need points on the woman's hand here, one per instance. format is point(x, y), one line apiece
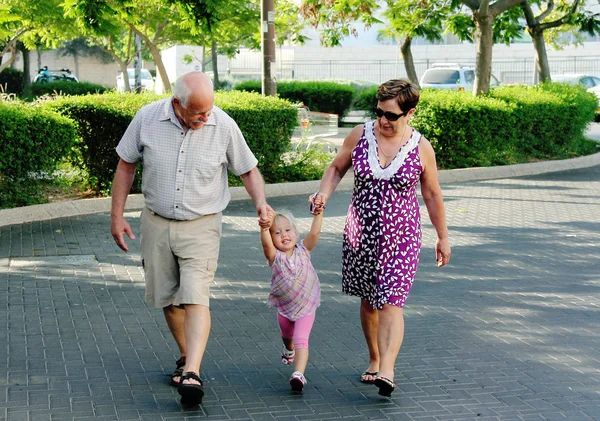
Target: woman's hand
point(442, 252)
point(316, 203)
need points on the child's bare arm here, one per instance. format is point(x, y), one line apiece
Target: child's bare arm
point(315, 230)
point(266, 240)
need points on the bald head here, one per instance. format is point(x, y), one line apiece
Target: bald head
point(193, 84)
point(193, 99)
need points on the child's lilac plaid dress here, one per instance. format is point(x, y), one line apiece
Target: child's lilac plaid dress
point(295, 288)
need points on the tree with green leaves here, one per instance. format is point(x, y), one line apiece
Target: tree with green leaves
point(157, 22)
point(409, 19)
point(29, 21)
point(561, 16)
point(485, 13)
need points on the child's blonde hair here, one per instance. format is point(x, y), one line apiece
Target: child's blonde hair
point(284, 213)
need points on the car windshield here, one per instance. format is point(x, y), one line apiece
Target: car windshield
point(145, 74)
point(441, 76)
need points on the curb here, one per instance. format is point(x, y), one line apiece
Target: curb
point(136, 201)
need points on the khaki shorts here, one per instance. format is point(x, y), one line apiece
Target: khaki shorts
point(179, 258)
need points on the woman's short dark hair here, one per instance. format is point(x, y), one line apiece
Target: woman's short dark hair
point(405, 91)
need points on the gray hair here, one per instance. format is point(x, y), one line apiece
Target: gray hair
point(182, 89)
point(284, 213)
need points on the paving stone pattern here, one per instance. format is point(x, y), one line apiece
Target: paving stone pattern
point(509, 331)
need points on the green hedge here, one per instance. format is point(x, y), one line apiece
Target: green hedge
point(466, 131)
point(34, 142)
point(66, 88)
point(267, 124)
point(327, 97)
point(11, 81)
point(509, 125)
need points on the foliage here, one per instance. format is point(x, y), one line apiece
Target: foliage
point(267, 124)
point(366, 99)
point(327, 97)
point(512, 123)
point(446, 118)
point(336, 18)
point(11, 81)
point(34, 142)
point(66, 88)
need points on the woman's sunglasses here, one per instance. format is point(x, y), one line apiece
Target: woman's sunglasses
point(389, 116)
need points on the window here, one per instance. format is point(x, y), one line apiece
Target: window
point(441, 76)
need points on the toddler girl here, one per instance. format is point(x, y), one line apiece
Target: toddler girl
point(295, 289)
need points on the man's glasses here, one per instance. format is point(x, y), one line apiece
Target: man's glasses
point(389, 116)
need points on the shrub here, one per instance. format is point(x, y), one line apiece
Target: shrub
point(102, 120)
point(34, 142)
point(366, 99)
point(551, 116)
point(11, 81)
point(327, 97)
point(66, 88)
point(464, 130)
point(267, 124)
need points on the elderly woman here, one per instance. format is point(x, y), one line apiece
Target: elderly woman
point(382, 236)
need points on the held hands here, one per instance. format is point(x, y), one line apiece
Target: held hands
point(118, 227)
point(265, 217)
point(442, 252)
point(316, 203)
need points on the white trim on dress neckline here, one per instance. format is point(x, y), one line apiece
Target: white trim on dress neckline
point(389, 171)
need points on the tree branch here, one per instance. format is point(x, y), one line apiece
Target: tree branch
point(545, 13)
point(562, 20)
point(471, 4)
point(502, 5)
point(529, 16)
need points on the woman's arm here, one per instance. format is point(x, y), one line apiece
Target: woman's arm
point(339, 166)
point(432, 195)
point(315, 230)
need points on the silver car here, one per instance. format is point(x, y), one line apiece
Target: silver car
point(451, 76)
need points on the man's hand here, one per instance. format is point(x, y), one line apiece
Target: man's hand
point(265, 215)
point(118, 227)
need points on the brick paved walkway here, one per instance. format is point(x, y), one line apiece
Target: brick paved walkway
point(509, 331)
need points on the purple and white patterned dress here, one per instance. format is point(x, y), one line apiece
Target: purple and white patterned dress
point(382, 236)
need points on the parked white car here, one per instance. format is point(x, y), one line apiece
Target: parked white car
point(451, 76)
point(147, 80)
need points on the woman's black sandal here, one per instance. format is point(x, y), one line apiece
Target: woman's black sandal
point(386, 386)
point(191, 393)
point(363, 376)
point(178, 372)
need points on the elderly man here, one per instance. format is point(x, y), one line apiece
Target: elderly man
point(187, 145)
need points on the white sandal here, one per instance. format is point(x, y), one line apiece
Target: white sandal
point(297, 381)
point(287, 356)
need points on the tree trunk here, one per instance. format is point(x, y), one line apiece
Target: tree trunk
point(26, 66)
point(484, 26)
point(409, 63)
point(123, 67)
point(541, 57)
point(76, 60)
point(39, 58)
point(160, 66)
point(215, 64)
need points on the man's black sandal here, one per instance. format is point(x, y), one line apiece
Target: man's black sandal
point(191, 393)
point(178, 372)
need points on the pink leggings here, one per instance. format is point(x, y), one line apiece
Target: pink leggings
point(299, 330)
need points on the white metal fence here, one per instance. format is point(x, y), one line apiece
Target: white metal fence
point(519, 70)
